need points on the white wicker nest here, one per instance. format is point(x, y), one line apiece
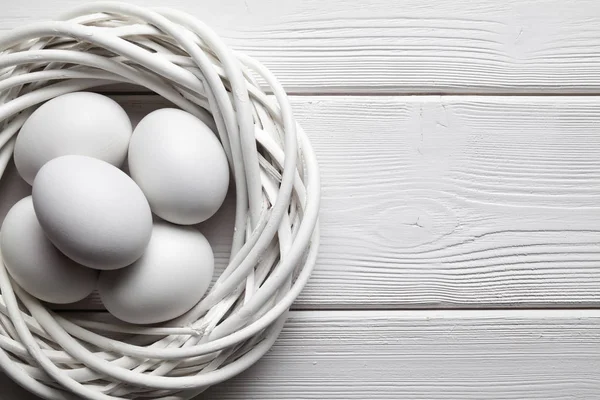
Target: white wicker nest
point(275, 240)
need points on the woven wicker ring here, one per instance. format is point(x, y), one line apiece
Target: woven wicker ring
point(275, 240)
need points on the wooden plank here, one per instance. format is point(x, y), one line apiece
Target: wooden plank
point(448, 202)
point(461, 355)
point(456, 201)
point(411, 46)
point(428, 355)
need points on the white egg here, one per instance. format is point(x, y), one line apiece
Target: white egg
point(169, 279)
point(36, 265)
point(180, 165)
point(79, 123)
point(92, 211)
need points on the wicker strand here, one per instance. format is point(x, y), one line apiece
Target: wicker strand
point(275, 239)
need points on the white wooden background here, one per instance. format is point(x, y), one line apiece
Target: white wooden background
point(459, 142)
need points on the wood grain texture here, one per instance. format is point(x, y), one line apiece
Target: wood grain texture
point(445, 202)
point(411, 46)
point(428, 355)
point(456, 201)
point(459, 355)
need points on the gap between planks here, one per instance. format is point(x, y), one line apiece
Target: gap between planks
point(400, 96)
point(127, 92)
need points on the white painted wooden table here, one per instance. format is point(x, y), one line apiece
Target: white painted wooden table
point(460, 149)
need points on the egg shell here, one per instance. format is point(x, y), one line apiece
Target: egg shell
point(92, 211)
point(80, 123)
point(180, 165)
point(36, 265)
point(167, 281)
